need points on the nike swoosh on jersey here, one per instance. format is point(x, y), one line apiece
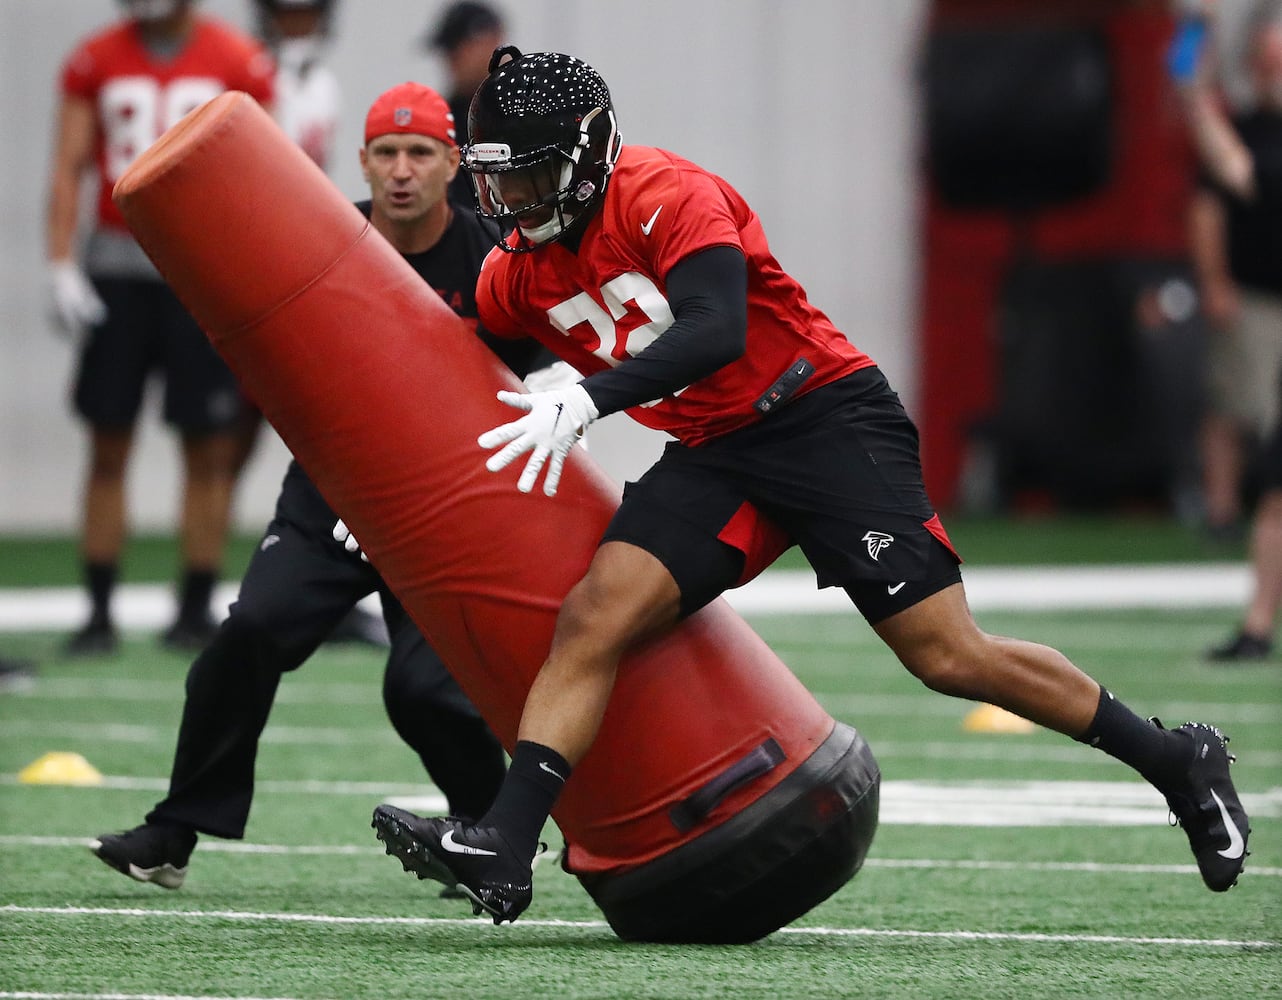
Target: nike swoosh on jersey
point(1237, 843)
point(892, 591)
point(454, 847)
point(647, 226)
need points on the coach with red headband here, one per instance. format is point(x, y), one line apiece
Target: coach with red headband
point(301, 582)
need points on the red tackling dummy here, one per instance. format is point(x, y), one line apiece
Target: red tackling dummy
point(380, 391)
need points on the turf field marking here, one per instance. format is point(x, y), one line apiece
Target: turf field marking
point(212, 846)
point(854, 704)
point(595, 925)
point(905, 803)
point(1176, 585)
point(7, 995)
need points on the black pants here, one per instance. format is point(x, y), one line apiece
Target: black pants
point(299, 585)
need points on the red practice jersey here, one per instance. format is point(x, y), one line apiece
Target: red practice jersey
point(138, 95)
point(607, 302)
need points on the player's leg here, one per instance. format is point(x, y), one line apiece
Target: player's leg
point(661, 558)
point(203, 403)
point(108, 394)
point(886, 547)
point(203, 525)
point(939, 642)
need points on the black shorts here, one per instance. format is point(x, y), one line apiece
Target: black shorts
point(147, 330)
point(837, 470)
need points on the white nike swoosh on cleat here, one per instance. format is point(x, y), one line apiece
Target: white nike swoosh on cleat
point(892, 591)
point(1237, 843)
point(454, 847)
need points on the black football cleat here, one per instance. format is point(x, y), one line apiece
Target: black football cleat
point(96, 638)
point(153, 852)
point(1207, 806)
point(189, 635)
point(478, 860)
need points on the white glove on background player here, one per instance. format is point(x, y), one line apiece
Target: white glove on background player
point(75, 304)
point(341, 534)
point(554, 421)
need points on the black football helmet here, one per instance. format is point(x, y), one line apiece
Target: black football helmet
point(542, 143)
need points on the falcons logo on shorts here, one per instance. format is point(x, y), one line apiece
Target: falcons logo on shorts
point(877, 540)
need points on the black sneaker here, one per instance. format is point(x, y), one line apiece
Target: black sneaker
point(1243, 646)
point(96, 638)
point(188, 635)
point(1206, 804)
point(479, 861)
point(153, 852)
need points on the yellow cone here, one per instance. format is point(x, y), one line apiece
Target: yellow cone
point(60, 767)
point(991, 719)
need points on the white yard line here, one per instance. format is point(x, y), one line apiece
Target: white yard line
point(989, 588)
point(903, 803)
point(485, 924)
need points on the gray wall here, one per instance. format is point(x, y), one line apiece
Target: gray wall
point(806, 106)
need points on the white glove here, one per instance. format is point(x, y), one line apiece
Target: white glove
point(554, 421)
point(74, 302)
point(341, 534)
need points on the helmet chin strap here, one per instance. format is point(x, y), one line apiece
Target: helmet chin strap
point(544, 232)
point(560, 220)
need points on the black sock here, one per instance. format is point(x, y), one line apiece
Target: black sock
point(196, 593)
point(1155, 753)
point(100, 578)
point(529, 792)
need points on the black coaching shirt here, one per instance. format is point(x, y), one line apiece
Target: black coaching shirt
point(450, 268)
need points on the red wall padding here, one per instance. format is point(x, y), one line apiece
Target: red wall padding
point(1140, 213)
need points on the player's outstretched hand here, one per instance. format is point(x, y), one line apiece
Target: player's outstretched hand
point(72, 298)
point(553, 422)
point(341, 534)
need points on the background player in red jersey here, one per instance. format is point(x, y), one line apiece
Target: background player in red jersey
point(121, 89)
point(653, 277)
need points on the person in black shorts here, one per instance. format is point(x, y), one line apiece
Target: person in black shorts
point(120, 89)
point(653, 277)
point(301, 582)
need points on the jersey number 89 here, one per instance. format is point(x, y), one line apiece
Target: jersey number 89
point(136, 110)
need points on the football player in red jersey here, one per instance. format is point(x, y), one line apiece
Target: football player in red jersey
point(653, 278)
point(121, 88)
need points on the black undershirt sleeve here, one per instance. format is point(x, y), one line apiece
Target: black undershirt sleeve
point(708, 294)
